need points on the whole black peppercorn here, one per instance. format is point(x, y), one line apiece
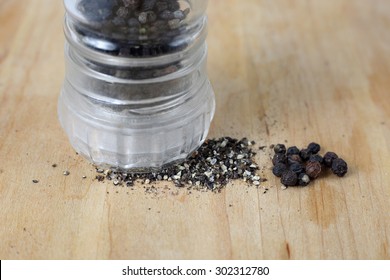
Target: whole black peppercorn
point(280, 149)
point(156, 23)
point(289, 178)
point(279, 169)
point(147, 4)
point(292, 151)
point(318, 158)
point(297, 168)
point(339, 167)
point(279, 158)
point(305, 154)
point(303, 179)
point(314, 148)
point(329, 157)
point(313, 169)
point(294, 159)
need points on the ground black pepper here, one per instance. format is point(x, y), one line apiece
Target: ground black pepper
point(100, 178)
point(211, 167)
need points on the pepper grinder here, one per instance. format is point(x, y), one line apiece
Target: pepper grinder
point(136, 93)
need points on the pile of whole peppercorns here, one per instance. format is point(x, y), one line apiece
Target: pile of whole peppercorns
point(298, 167)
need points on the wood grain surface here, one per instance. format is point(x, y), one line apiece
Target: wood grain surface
point(282, 70)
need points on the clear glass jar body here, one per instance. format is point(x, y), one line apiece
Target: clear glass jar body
point(136, 93)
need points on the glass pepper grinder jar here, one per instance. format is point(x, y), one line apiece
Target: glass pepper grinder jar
point(136, 93)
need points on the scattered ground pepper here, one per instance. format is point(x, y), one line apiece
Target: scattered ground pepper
point(211, 167)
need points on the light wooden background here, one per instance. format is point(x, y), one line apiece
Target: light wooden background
point(290, 70)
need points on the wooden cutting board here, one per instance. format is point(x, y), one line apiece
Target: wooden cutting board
point(295, 71)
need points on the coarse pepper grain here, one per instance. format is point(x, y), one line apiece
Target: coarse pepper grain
point(212, 167)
